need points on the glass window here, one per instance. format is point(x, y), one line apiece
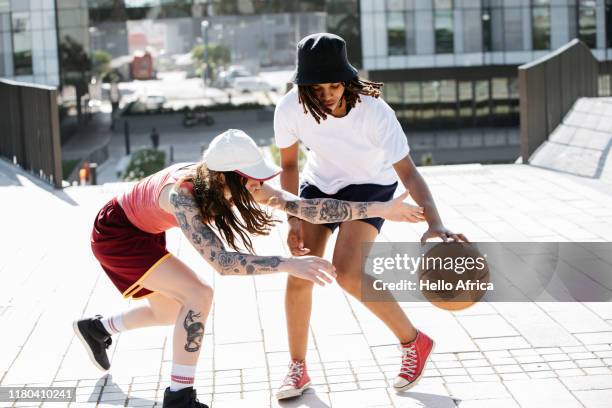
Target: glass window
point(448, 91)
point(466, 100)
point(22, 44)
point(412, 100)
point(429, 91)
point(472, 32)
point(487, 34)
point(395, 5)
point(513, 25)
point(393, 92)
point(482, 101)
point(496, 29)
point(465, 91)
point(443, 4)
point(412, 92)
point(410, 32)
point(447, 108)
point(443, 25)
point(540, 18)
point(587, 23)
point(396, 33)
point(499, 93)
point(500, 88)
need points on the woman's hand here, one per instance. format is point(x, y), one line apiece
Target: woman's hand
point(295, 239)
point(398, 210)
point(312, 268)
point(439, 231)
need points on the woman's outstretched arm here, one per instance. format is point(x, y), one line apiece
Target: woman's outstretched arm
point(326, 210)
point(211, 248)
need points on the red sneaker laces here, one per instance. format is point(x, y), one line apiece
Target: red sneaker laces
point(409, 360)
point(295, 373)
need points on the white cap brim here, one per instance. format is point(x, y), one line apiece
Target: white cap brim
point(261, 171)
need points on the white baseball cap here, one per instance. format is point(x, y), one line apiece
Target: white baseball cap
point(234, 150)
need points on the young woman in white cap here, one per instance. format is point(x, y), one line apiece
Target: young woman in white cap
point(128, 239)
point(357, 151)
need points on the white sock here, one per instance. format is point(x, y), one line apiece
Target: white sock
point(113, 324)
point(182, 376)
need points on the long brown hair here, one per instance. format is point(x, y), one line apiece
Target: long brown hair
point(208, 190)
point(352, 90)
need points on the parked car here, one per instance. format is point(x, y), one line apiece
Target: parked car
point(226, 78)
point(154, 102)
point(251, 84)
point(144, 104)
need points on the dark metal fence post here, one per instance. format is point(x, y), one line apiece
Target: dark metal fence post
point(126, 133)
point(93, 171)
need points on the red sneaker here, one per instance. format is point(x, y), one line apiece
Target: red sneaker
point(296, 381)
point(414, 357)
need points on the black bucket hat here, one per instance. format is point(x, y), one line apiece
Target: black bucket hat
point(321, 59)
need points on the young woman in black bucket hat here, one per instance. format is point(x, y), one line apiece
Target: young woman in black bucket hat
point(357, 151)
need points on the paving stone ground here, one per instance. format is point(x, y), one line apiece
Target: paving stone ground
point(491, 355)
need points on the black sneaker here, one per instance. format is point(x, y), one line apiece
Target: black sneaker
point(185, 398)
point(95, 338)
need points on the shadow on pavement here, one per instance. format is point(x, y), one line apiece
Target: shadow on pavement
point(112, 394)
point(426, 400)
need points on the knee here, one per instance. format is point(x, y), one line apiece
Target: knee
point(298, 285)
point(350, 283)
point(200, 295)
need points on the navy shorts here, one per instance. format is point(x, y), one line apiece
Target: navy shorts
point(353, 192)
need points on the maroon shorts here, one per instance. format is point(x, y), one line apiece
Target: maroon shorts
point(126, 253)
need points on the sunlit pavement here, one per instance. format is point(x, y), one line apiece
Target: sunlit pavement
point(490, 355)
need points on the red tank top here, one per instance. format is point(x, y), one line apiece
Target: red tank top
point(141, 203)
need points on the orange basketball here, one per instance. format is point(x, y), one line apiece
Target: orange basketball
point(454, 275)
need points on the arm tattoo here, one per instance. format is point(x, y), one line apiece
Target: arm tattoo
point(272, 261)
point(362, 209)
point(334, 210)
point(291, 207)
point(196, 238)
point(181, 199)
point(210, 246)
point(206, 232)
point(182, 219)
point(325, 210)
point(195, 331)
point(309, 212)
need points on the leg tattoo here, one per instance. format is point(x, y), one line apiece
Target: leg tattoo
point(195, 332)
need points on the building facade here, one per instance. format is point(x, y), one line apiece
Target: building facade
point(452, 64)
point(28, 41)
point(449, 66)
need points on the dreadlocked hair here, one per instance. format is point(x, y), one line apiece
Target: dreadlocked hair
point(352, 90)
point(250, 218)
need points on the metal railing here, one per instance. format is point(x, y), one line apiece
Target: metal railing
point(548, 88)
point(29, 129)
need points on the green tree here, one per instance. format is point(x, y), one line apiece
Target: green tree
point(101, 62)
point(76, 69)
point(217, 55)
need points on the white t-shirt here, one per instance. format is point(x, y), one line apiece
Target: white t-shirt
point(359, 148)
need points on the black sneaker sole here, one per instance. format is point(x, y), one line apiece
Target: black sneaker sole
point(77, 331)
